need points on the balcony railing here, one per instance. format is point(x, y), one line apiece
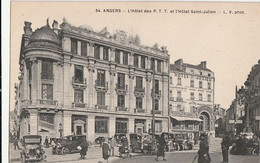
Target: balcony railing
point(79, 105)
point(171, 98)
point(79, 82)
point(139, 91)
point(179, 99)
point(101, 107)
point(47, 76)
point(178, 127)
point(139, 110)
point(156, 94)
point(102, 86)
point(124, 109)
point(47, 102)
point(121, 89)
point(46, 124)
point(156, 112)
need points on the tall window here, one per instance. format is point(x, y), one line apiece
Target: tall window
point(105, 53)
point(121, 81)
point(74, 46)
point(121, 101)
point(159, 66)
point(192, 83)
point(101, 98)
point(121, 125)
point(30, 92)
point(47, 92)
point(143, 62)
point(101, 125)
point(192, 95)
point(156, 86)
point(136, 60)
point(152, 64)
point(101, 78)
point(156, 101)
point(200, 96)
point(139, 82)
point(97, 51)
point(30, 72)
point(78, 74)
point(178, 94)
point(78, 96)
point(209, 85)
point(158, 126)
point(209, 98)
point(125, 58)
point(84, 48)
point(179, 81)
point(200, 84)
point(117, 56)
point(139, 102)
point(47, 69)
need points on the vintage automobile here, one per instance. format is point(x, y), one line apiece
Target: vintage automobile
point(32, 149)
point(68, 144)
point(135, 142)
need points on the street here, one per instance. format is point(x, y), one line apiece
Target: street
point(95, 155)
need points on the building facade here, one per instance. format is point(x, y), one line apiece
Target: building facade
point(191, 95)
point(220, 125)
point(77, 81)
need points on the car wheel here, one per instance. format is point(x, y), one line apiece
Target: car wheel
point(65, 150)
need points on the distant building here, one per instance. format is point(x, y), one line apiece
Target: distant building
point(77, 81)
point(220, 114)
point(191, 95)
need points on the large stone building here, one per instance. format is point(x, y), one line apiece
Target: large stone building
point(77, 81)
point(191, 95)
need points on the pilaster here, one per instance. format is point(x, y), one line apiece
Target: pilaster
point(91, 127)
point(67, 124)
point(112, 126)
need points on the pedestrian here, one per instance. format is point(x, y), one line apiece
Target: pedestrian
point(225, 144)
point(84, 149)
point(105, 150)
point(16, 145)
point(47, 142)
point(112, 146)
point(203, 152)
point(161, 148)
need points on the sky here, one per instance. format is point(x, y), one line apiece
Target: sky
point(228, 42)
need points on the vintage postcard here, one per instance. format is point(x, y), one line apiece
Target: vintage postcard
point(134, 82)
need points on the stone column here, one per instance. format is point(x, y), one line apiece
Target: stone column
point(112, 83)
point(112, 126)
point(131, 59)
point(148, 90)
point(67, 79)
point(91, 49)
point(91, 87)
point(67, 124)
point(101, 52)
point(112, 54)
point(33, 122)
point(91, 127)
point(25, 82)
point(131, 91)
point(131, 124)
point(139, 61)
point(148, 63)
point(121, 57)
point(79, 47)
point(86, 97)
point(35, 77)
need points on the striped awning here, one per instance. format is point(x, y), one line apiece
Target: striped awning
point(186, 118)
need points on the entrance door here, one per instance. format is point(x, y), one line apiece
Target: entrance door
point(79, 130)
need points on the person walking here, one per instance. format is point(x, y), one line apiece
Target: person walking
point(16, 145)
point(84, 149)
point(47, 142)
point(112, 146)
point(225, 144)
point(203, 152)
point(161, 148)
point(105, 150)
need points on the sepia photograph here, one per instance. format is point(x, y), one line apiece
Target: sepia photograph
point(136, 82)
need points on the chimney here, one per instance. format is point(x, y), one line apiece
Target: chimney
point(179, 63)
point(55, 26)
point(203, 64)
point(27, 28)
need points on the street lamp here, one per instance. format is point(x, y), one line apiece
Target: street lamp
point(60, 130)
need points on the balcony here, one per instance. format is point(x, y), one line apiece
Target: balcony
point(79, 82)
point(156, 112)
point(178, 127)
point(156, 94)
point(139, 110)
point(121, 89)
point(139, 91)
point(79, 105)
point(47, 76)
point(171, 98)
point(101, 107)
point(25, 103)
point(123, 109)
point(179, 99)
point(101, 86)
point(47, 102)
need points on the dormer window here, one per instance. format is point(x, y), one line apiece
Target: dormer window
point(74, 46)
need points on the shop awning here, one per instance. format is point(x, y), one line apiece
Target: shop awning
point(186, 118)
